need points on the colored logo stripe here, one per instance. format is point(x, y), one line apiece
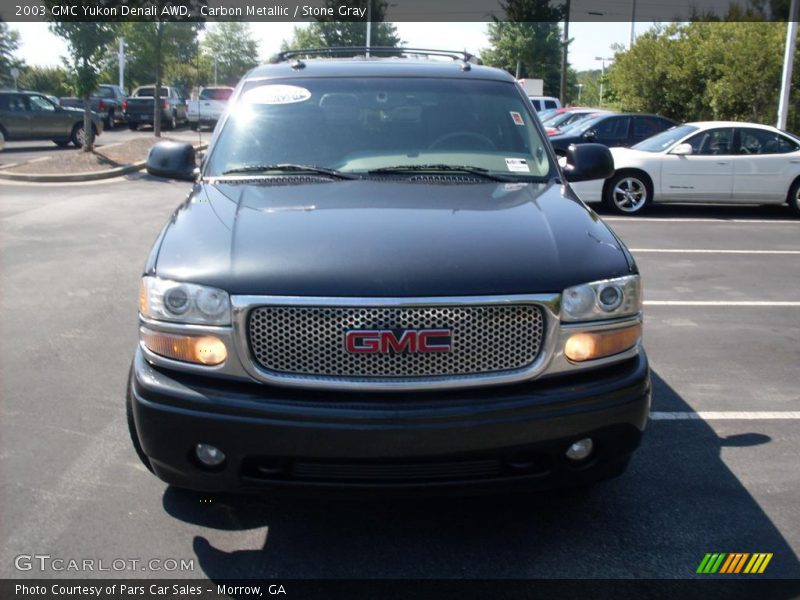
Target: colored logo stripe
point(758, 563)
point(734, 562)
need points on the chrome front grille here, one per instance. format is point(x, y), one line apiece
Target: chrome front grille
point(309, 341)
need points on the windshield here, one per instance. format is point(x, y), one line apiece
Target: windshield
point(149, 92)
point(665, 139)
point(357, 125)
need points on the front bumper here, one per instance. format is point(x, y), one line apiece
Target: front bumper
point(490, 438)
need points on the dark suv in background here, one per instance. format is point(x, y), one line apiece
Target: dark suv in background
point(611, 130)
point(381, 279)
point(27, 116)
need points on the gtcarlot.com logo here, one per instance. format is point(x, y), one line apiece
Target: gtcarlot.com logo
point(734, 562)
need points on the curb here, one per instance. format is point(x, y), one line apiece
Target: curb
point(77, 177)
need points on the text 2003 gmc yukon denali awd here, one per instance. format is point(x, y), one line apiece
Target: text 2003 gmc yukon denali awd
point(381, 280)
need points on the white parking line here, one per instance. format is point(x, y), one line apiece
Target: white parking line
point(709, 251)
point(702, 220)
point(719, 415)
point(718, 303)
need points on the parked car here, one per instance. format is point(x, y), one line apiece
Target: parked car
point(541, 103)
point(713, 161)
point(611, 130)
point(209, 106)
point(139, 108)
point(26, 116)
point(564, 117)
point(106, 101)
point(381, 279)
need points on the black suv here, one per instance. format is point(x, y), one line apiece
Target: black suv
point(611, 130)
point(382, 280)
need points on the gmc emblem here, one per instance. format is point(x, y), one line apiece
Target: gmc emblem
point(384, 341)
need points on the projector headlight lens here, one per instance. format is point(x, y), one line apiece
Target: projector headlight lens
point(165, 300)
point(606, 299)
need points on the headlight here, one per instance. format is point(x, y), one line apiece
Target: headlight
point(607, 299)
point(166, 300)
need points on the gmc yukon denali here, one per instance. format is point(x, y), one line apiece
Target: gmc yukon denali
point(381, 280)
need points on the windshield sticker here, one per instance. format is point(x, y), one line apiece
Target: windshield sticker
point(276, 94)
point(518, 165)
point(518, 120)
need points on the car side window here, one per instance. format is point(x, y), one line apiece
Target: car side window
point(645, 127)
point(549, 104)
point(614, 128)
point(761, 141)
point(39, 104)
point(712, 142)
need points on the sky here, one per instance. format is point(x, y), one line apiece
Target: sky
point(590, 40)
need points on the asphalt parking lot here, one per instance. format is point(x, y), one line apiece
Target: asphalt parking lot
point(717, 471)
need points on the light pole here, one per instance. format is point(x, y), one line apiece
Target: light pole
point(788, 64)
point(633, 23)
point(564, 44)
point(369, 24)
point(121, 61)
point(580, 89)
point(602, 60)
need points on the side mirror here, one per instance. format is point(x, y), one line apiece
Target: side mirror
point(174, 160)
point(588, 161)
point(682, 150)
point(590, 134)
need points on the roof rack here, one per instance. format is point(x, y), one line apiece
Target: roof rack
point(461, 55)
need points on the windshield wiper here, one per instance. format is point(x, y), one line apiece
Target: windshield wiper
point(479, 171)
point(290, 167)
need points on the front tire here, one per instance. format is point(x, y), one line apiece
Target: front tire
point(133, 127)
point(628, 193)
point(78, 137)
point(194, 126)
point(172, 123)
point(794, 198)
point(108, 122)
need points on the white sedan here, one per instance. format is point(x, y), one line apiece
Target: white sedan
point(713, 161)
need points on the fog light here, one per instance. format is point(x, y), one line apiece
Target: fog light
point(581, 449)
point(205, 350)
point(589, 346)
point(209, 455)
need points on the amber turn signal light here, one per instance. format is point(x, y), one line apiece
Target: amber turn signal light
point(589, 346)
point(204, 350)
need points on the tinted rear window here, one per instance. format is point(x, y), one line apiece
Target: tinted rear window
point(215, 94)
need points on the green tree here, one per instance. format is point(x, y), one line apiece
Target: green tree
point(86, 43)
point(230, 46)
point(705, 70)
point(47, 80)
point(530, 37)
point(9, 44)
point(153, 48)
point(332, 33)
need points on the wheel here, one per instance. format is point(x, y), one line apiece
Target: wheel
point(61, 143)
point(628, 193)
point(194, 126)
point(132, 426)
point(171, 123)
point(133, 126)
point(108, 122)
point(794, 197)
point(2, 139)
point(78, 136)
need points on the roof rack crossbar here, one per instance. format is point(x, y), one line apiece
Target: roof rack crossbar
point(461, 55)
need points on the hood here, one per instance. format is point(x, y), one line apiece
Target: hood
point(378, 238)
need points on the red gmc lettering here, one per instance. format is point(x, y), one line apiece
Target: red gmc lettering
point(369, 341)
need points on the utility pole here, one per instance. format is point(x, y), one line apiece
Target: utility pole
point(633, 23)
point(602, 75)
point(564, 44)
point(788, 64)
point(369, 25)
point(121, 61)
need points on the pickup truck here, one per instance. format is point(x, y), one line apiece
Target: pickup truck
point(381, 279)
point(209, 106)
point(106, 101)
point(140, 110)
